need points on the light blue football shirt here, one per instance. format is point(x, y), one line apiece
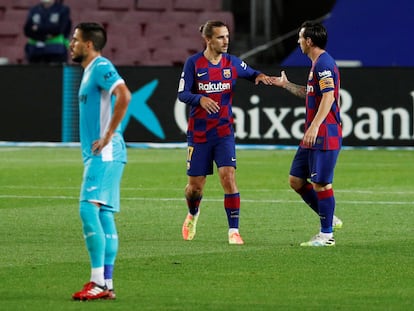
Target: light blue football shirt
point(96, 107)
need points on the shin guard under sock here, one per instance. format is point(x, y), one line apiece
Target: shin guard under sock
point(232, 207)
point(326, 209)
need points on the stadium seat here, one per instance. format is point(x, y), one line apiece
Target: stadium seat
point(4, 4)
point(192, 30)
point(9, 29)
point(115, 43)
point(197, 5)
point(123, 36)
point(169, 57)
point(162, 30)
point(156, 43)
point(135, 57)
point(157, 5)
point(179, 17)
point(139, 17)
point(126, 30)
point(99, 16)
point(122, 5)
point(190, 45)
point(16, 16)
point(83, 5)
point(224, 16)
point(148, 27)
point(23, 4)
point(14, 53)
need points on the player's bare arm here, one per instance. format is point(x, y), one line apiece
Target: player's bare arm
point(123, 96)
point(295, 89)
point(265, 79)
point(209, 105)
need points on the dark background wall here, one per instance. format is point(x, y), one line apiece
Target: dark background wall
point(31, 103)
point(375, 33)
point(377, 106)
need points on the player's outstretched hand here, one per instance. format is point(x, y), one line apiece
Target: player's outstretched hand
point(265, 79)
point(280, 81)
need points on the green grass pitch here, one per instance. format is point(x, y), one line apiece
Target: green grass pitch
point(43, 259)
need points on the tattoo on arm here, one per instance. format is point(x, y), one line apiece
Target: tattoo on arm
point(298, 90)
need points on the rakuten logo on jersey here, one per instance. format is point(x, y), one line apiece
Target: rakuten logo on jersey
point(212, 87)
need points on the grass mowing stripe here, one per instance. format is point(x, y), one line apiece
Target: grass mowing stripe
point(43, 257)
point(261, 201)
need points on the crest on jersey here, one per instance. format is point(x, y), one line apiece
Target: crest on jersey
point(227, 73)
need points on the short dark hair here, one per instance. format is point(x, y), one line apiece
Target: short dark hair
point(207, 28)
point(93, 32)
point(316, 32)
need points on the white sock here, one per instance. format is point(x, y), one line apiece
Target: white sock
point(109, 283)
point(326, 235)
point(97, 276)
point(233, 230)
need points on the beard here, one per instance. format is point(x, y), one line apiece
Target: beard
point(77, 58)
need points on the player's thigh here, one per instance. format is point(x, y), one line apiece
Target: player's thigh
point(101, 183)
point(225, 152)
point(199, 160)
point(323, 165)
point(300, 164)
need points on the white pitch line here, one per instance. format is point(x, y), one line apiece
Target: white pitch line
point(368, 191)
point(256, 201)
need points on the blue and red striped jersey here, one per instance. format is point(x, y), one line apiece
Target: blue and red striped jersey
point(202, 78)
point(324, 77)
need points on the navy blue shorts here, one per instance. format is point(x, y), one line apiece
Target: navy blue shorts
point(317, 165)
point(200, 157)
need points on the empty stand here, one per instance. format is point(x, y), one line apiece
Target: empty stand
point(129, 32)
point(224, 16)
point(82, 5)
point(118, 5)
point(23, 4)
point(157, 5)
point(4, 4)
point(190, 45)
point(157, 30)
point(9, 29)
point(168, 57)
point(14, 53)
point(135, 56)
point(140, 32)
point(197, 5)
point(16, 16)
point(178, 17)
point(140, 17)
point(122, 36)
point(99, 16)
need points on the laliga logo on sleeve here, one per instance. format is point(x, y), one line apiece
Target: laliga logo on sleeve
point(139, 110)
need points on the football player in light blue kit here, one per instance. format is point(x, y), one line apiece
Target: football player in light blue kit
point(104, 155)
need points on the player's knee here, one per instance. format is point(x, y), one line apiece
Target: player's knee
point(322, 186)
point(229, 184)
point(88, 213)
point(193, 191)
point(295, 183)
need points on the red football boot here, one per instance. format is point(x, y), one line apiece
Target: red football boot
point(91, 291)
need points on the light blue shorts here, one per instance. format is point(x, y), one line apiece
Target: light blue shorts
point(101, 183)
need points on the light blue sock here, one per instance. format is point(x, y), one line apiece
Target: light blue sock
point(93, 233)
point(111, 241)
